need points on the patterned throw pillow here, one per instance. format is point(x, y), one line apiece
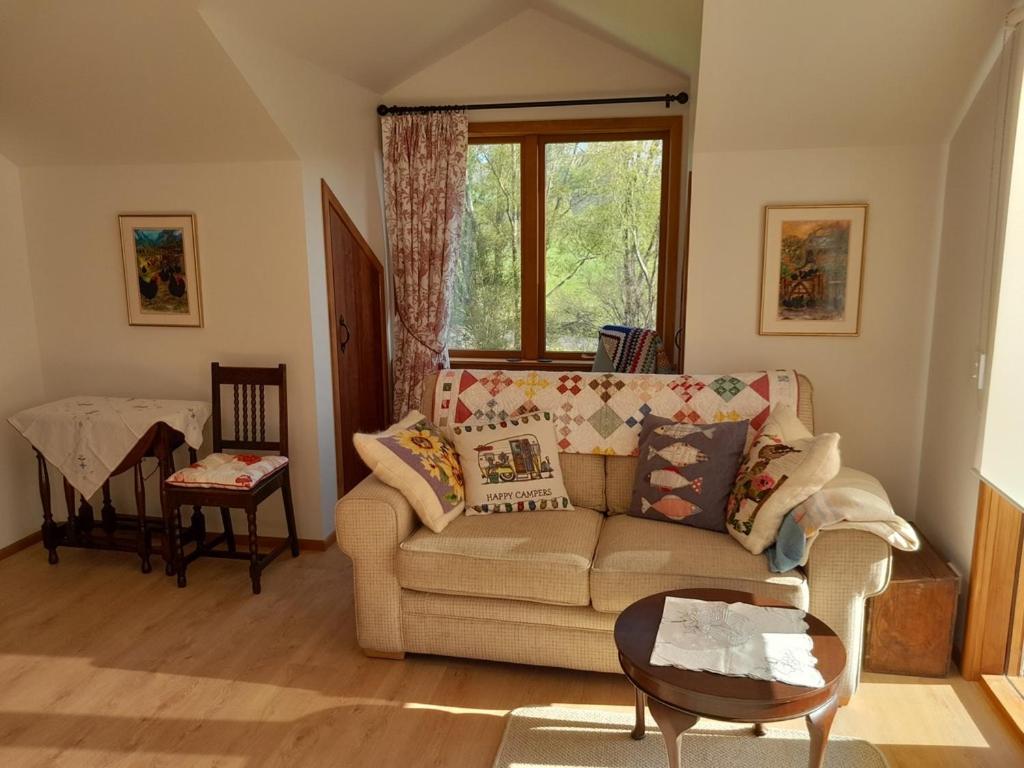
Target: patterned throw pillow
point(685, 472)
point(415, 458)
point(511, 465)
point(784, 466)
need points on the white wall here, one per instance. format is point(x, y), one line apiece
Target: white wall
point(21, 376)
point(250, 227)
point(949, 485)
point(869, 388)
point(332, 125)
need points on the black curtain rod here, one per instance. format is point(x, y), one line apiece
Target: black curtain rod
point(669, 98)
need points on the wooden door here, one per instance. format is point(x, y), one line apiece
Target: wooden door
point(356, 304)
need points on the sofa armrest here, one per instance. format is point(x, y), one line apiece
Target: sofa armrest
point(372, 520)
point(844, 568)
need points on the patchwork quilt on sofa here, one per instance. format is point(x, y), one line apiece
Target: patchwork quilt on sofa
point(602, 412)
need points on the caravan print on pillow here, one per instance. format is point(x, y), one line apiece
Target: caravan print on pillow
point(511, 465)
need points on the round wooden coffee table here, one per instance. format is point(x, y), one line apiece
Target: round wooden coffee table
point(677, 698)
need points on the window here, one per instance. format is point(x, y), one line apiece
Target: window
point(568, 226)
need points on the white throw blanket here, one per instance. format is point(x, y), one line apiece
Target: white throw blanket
point(852, 500)
point(737, 639)
point(87, 437)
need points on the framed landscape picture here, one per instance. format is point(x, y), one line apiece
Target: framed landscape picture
point(812, 269)
point(161, 269)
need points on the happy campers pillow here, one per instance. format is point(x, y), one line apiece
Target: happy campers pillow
point(784, 466)
point(416, 459)
point(511, 465)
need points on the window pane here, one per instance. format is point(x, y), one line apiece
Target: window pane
point(602, 220)
point(486, 299)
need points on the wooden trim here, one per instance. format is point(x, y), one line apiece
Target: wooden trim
point(23, 543)
point(1006, 697)
point(532, 137)
point(995, 603)
point(330, 202)
point(556, 127)
point(515, 364)
point(531, 239)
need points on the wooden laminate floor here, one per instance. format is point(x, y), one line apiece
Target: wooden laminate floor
point(102, 666)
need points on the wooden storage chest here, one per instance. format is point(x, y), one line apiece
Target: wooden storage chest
point(910, 625)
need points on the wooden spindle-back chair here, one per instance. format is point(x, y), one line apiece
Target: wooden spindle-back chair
point(249, 418)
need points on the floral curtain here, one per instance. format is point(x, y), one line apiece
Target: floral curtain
point(424, 192)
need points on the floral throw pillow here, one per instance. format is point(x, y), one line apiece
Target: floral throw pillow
point(511, 465)
point(415, 458)
point(784, 466)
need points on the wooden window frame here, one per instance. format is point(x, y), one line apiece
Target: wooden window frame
point(994, 629)
point(532, 136)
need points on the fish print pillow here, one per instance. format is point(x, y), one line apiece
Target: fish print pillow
point(686, 472)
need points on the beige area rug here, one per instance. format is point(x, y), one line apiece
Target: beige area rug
point(561, 737)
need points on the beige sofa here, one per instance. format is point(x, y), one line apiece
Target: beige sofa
point(546, 587)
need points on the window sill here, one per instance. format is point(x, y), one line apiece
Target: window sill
point(502, 363)
point(1007, 699)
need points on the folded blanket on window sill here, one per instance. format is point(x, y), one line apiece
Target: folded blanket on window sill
point(852, 500)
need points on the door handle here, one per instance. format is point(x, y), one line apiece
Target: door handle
point(342, 343)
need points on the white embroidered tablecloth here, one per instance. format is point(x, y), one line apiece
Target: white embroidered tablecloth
point(737, 639)
point(87, 437)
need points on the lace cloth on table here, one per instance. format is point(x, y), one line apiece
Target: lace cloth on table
point(86, 437)
point(737, 639)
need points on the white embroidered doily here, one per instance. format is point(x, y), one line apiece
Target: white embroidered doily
point(737, 639)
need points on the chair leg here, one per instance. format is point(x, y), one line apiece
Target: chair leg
point(197, 523)
point(179, 548)
point(254, 557)
point(229, 530)
point(289, 513)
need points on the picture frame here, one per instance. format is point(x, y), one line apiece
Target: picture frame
point(160, 257)
point(812, 269)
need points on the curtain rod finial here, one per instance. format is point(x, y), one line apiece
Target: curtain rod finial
point(382, 109)
point(682, 97)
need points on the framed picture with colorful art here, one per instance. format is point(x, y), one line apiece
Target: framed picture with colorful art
point(161, 269)
point(812, 269)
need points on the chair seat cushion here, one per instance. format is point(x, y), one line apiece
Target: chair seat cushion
point(225, 470)
point(637, 557)
point(543, 556)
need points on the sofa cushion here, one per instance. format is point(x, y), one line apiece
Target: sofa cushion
point(620, 472)
point(583, 474)
point(637, 557)
point(542, 556)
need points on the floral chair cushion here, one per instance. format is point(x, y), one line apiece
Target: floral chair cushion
point(784, 466)
point(225, 470)
point(416, 459)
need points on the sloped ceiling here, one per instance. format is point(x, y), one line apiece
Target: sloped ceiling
point(553, 59)
point(119, 81)
point(375, 44)
point(806, 73)
point(383, 43)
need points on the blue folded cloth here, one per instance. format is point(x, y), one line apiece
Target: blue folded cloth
point(788, 550)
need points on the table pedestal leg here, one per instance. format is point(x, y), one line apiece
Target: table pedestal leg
point(640, 727)
point(819, 723)
point(142, 534)
point(673, 725)
point(162, 450)
point(108, 515)
point(49, 528)
point(72, 524)
point(86, 521)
